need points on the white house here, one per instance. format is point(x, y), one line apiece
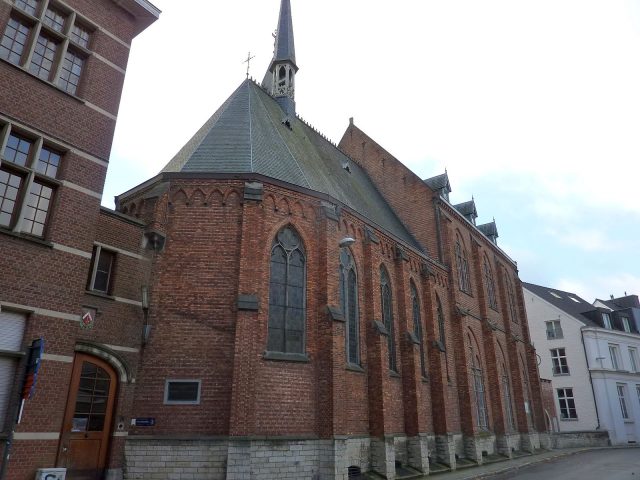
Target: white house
point(591, 353)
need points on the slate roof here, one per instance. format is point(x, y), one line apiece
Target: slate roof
point(439, 182)
point(630, 301)
point(489, 229)
point(285, 49)
point(247, 135)
point(564, 303)
point(467, 208)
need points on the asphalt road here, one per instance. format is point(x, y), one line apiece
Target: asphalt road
point(613, 464)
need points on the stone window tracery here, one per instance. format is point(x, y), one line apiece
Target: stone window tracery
point(387, 317)
point(287, 293)
point(349, 303)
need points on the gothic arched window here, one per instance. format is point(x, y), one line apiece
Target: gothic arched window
point(478, 385)
point(462, 263)
point(387, 316)
point(349, 302)
point(511, 298)
point(287, 293)
point(417, 326)
point(440, 311)
point(491, 285)
point(506, 392)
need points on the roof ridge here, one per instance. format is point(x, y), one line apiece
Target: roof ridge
point(284, 142)
point(182, 156)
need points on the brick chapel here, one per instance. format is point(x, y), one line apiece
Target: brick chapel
point(270, 305)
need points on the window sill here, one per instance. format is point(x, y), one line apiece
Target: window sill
point(426, 380)
point(12, 354)
point(629, 421)
point(351, 367)
point(561, 374)
point(46, 82)
point(393, 374)
point(568, 419)
point(470, 294)
point(96, 293)
point(29, 238)
point(286, 357)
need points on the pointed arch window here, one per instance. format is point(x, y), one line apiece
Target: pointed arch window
point(506, 392)
point(462, 263)
point(511, 299)
point(387, 317)
point(349, 302)
point(491, 285)
point(527, 390)
point(440, 312)
point(478, 387)
point(287, 293)
point(417, 326)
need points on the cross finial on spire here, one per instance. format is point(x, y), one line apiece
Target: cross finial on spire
point(248, 62)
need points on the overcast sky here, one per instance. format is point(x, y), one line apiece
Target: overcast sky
point(533, 107)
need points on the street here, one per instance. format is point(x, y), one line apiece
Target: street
point(609, 464)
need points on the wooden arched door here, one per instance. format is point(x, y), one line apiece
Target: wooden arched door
point(86, 431)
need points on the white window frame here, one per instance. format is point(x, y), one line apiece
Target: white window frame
point(181, 402)
point(614, 353)
point(621, 388)
point(556, 359)
point(633, 358)
point(566, 398)
point(625, 324)
point(65, 40)
point(555, 332)
point(606, 319)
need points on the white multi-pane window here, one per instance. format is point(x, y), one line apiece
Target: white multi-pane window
point(48, 40)
point(633, 359)
point(559, 361)
point(625, 324)
point(554, 330)
point(622, 390)
point(12, 328)
point(567, 404)
point(28, 170)
point(606, 320)
point(615, 356)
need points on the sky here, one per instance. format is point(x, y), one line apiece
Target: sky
point(532, 106)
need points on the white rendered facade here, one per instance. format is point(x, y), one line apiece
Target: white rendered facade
point(539, 312)
point(617, 390)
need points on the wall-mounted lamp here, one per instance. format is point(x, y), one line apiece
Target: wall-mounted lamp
point(346, 242)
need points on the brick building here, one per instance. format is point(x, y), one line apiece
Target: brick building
point(62, 67)
point(272, 305)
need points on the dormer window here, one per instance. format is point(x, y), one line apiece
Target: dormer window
point(625, 324)
point(606, 321)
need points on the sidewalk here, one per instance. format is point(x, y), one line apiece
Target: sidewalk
point(485, 471)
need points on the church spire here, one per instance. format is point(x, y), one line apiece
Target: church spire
point(280, 78)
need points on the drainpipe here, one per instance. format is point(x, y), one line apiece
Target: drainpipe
point(593, 392)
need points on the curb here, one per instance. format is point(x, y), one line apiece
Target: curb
point(533, 461)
